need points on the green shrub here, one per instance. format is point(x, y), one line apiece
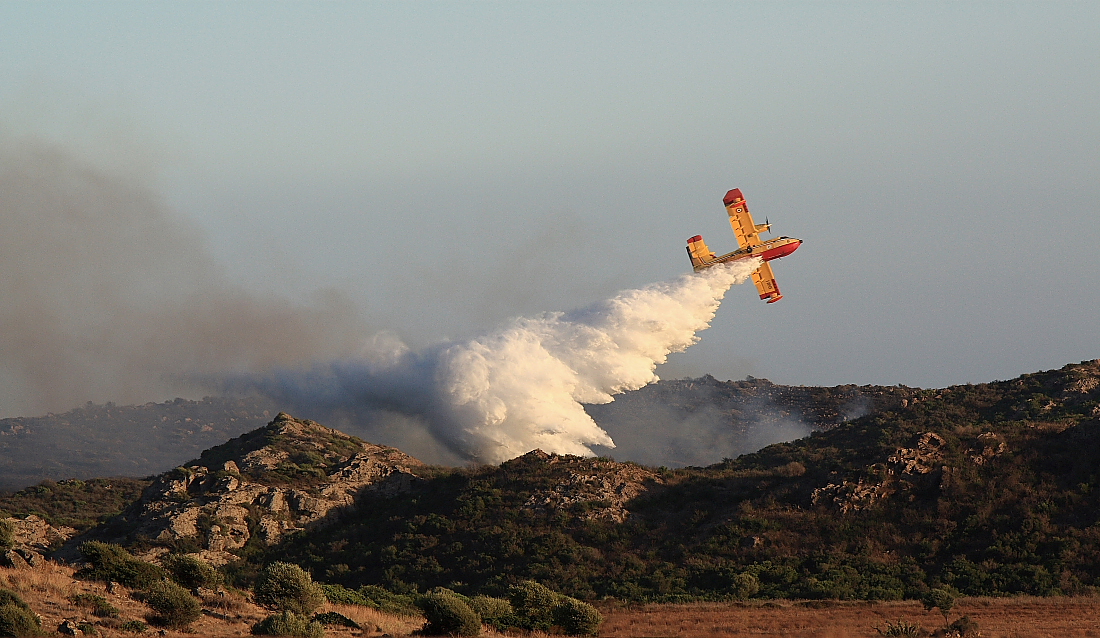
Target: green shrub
point(448, 614)
point(939, 597)
point(334, 618)
point(98, 604)
point(16, 620)
point(577, 618)
point(374, 597)
point(110, 562)
point(191, 572)
point(745, 585)
point(533, 605)
point(134, 626)
point(173, 606)
point(7, 536)
point(287, 587)
point(340, 595)
point(288, 623)
point(965, 627)
point(8, 597)
point(495, 612)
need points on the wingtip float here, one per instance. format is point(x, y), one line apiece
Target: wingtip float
point(750, 246)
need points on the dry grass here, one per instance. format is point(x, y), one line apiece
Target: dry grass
point(374, 621)
point(49, 587)
point(1023, 617)
point(49, 579)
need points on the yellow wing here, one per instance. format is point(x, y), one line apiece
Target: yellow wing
point(747, 232)
point(765, 283)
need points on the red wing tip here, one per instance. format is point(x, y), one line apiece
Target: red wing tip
point(775, 298)
point(695, 239)
point(733, 196)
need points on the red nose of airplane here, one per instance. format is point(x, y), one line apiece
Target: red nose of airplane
point(781, 251)
point(732, 196)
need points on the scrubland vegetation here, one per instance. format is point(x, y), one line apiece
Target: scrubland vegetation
point(906, 520)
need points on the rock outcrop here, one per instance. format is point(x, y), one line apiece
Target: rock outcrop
point(592, 489)
point(260, 486)
point(32, 538)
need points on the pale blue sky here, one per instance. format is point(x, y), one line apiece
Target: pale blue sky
point(448, 165)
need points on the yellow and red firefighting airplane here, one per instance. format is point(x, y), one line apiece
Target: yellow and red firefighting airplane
point(748, 238)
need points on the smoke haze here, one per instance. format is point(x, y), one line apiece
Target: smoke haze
point(695, 426)
point(106, 298)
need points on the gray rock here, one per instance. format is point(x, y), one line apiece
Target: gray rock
point(12, 558)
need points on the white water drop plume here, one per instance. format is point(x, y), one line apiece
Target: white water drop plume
point(522, 386)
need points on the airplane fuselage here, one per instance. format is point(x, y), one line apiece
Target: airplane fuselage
point(768, 250)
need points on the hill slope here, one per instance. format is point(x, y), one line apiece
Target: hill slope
point(989, 488)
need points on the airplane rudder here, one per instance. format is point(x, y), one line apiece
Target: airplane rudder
point(697, 251)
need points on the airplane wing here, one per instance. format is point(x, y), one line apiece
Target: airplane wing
point(765, 283)
point(747, 232)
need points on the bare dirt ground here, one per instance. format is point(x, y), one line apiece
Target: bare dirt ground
point(1020, 617)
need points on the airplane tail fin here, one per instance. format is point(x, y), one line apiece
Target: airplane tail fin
point(699, 253)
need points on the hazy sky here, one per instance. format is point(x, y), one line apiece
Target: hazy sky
point(449, 165)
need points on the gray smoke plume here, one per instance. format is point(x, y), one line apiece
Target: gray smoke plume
point(693, 424)
point(105, 297)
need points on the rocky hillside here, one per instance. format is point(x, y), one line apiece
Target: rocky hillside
point(992, 489)
point(287, 476)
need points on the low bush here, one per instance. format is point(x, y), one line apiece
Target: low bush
point(288, 623)
point(287, 587)
point(134, 626)
point(335, 618)
point(110, 562)
point(495, 612)
point(448, 614)
point(191, 572)
point(173, 606)
point(8, 597)
point(577, 618)
point(98, 604)
point(965, 627)
point(745, 585)
point(16, 620)
point(533, 605)
point(340, 595)
point(374, 597)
